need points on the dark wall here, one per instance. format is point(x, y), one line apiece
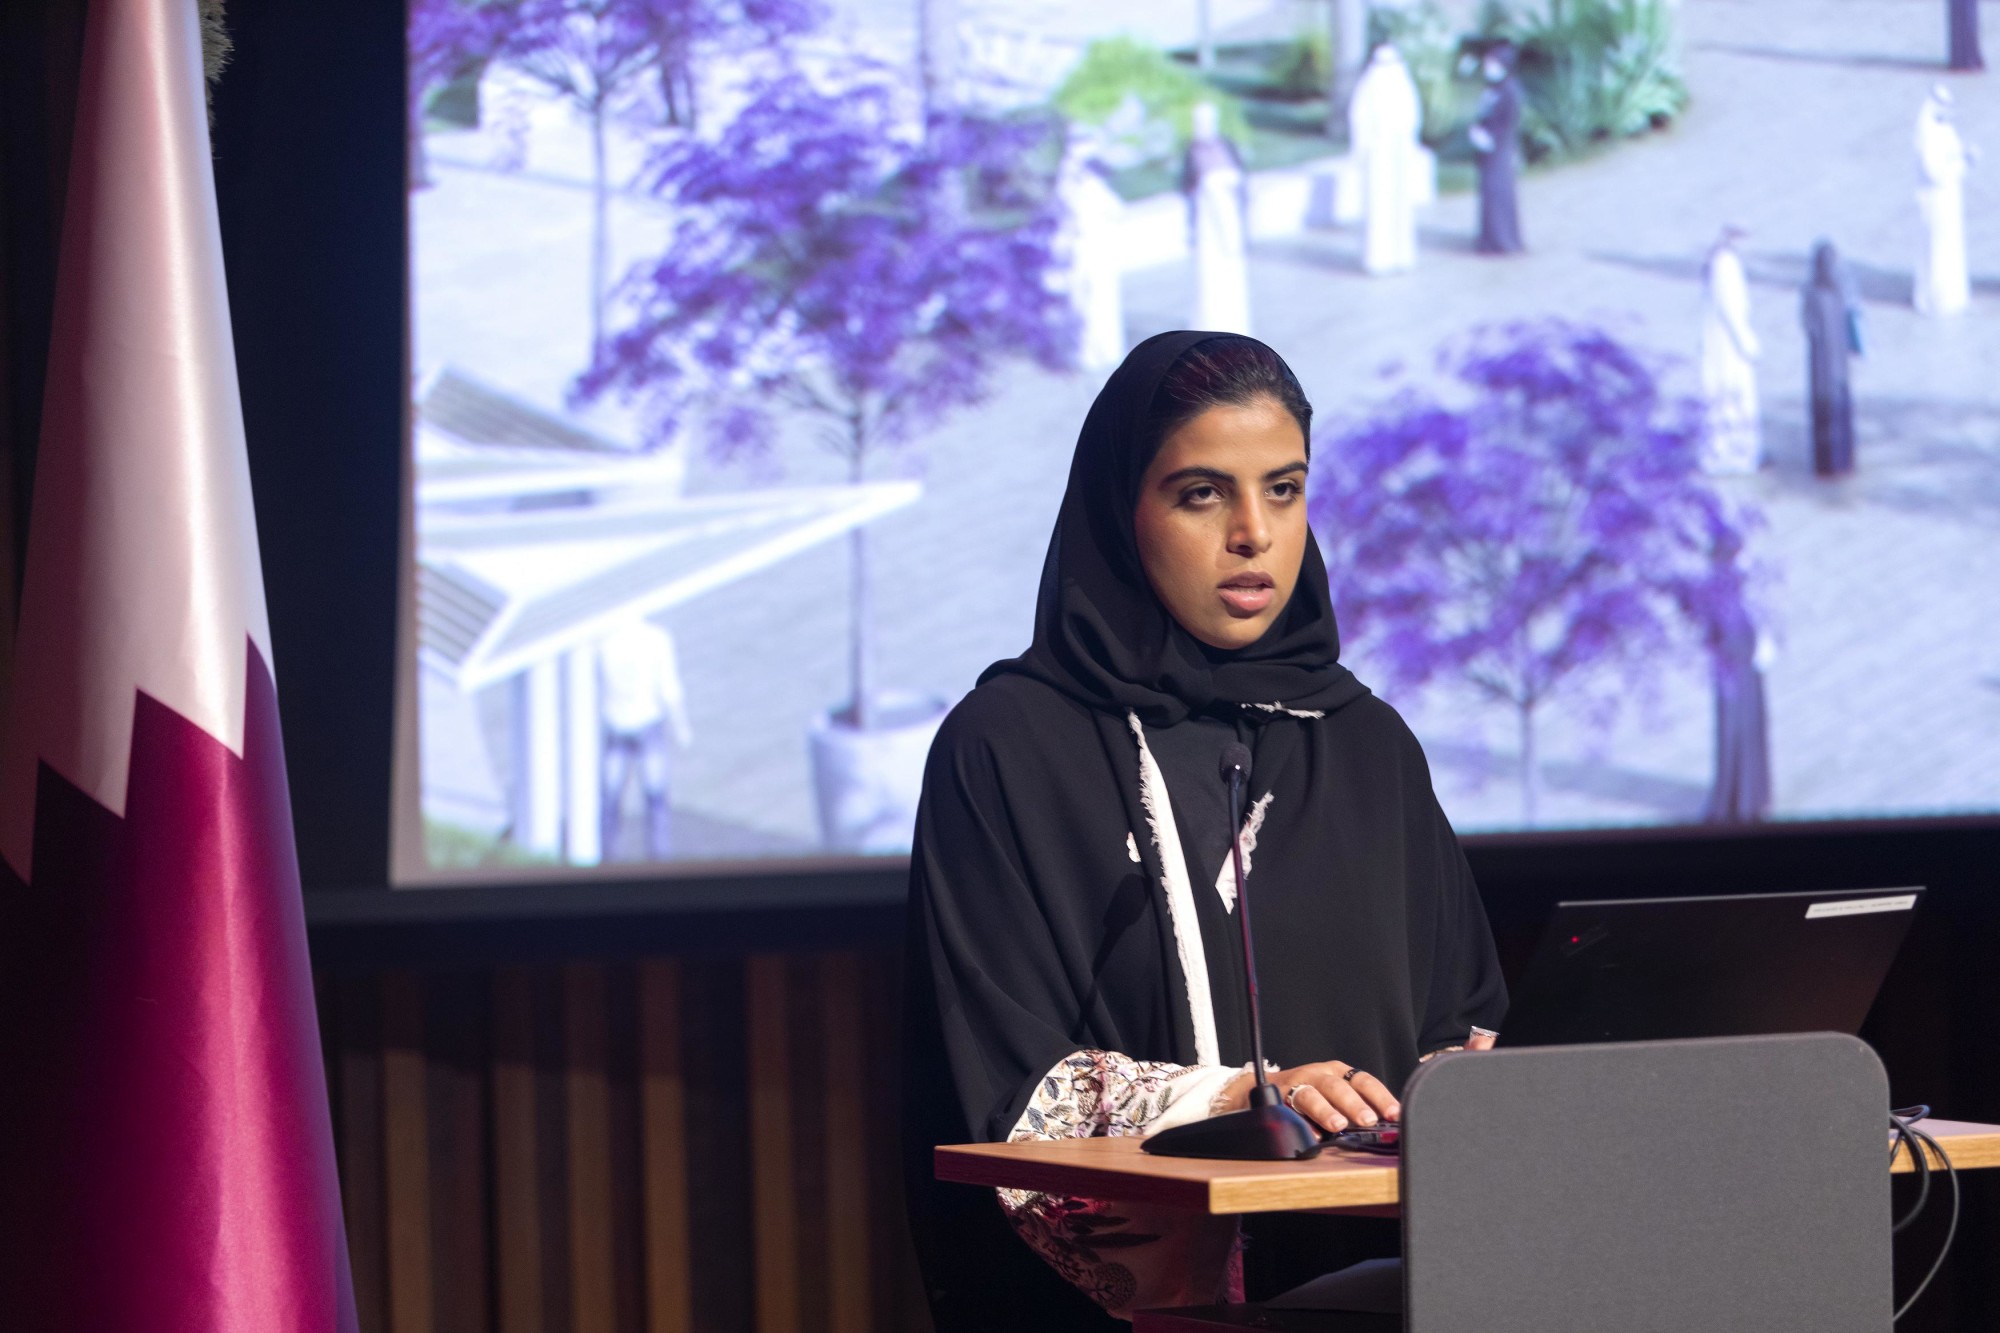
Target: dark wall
point(40, 45)
point(309, 178)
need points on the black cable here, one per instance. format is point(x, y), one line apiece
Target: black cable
point(1903, 1129)
point(1951, 1229)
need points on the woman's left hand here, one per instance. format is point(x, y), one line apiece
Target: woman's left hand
point(1332, 1094)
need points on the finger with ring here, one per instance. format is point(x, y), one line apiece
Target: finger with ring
point(1375, 1092)
point(1315, 1105)
point(1348, 1099)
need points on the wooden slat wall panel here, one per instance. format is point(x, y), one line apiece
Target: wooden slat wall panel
point(517, 1221)
point(457, 1027)
point(718, 1148)
point(774, 1202)
point(670, 1146)
point(844, 1136)
point(406, 1161)
point(805, 1007)
point(593, 1301)
point(356, 1090)
point(895, 1288)
point(663, 1148)
point(552, 1148)
point(627, 1201)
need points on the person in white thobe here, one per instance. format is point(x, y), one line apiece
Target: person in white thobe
point(1214, 186)
point(1731, 437)
point(644, 712)
point(1383, 123)
point(1089, 245)
point(1942, 285)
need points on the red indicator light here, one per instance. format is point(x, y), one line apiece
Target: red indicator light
point(1576, 939)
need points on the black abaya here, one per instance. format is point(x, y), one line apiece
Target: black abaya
point(1040, 916)
point(1828, 317)
point(1500, 169)
point(1741, 790)
point(1034, 934)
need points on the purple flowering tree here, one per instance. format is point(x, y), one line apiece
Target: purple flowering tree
point(593, 54)
point(682, 28)
point(590, 53)
point(1538, 527)
point(829, 261)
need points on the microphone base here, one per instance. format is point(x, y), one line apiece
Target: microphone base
point(1260, 1134)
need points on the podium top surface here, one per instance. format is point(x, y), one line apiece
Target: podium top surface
point(1118, 1169)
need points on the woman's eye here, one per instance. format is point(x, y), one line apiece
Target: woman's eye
point(1199, 494)
point(1287, 490)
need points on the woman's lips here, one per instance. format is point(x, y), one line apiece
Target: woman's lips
point(1247, 594)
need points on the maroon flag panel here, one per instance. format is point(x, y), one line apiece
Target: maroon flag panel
point(166, 1157)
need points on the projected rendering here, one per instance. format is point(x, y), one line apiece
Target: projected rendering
point(1657, 451)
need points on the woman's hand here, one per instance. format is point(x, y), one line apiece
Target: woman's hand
point(1331, 1094)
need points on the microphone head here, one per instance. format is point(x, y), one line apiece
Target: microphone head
point(1235, 761)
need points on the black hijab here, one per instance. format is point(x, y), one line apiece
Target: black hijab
point(1042, 917)
point(1104, 639)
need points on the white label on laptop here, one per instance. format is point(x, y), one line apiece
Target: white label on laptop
point(1901, 902)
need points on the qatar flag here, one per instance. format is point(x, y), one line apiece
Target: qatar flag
point(166, 1154)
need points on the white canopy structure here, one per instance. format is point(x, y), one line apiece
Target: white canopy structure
point(535, 539)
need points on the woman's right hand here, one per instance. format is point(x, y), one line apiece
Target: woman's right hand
point(1332, 1094)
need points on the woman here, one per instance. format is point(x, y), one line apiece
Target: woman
point(1832, 324)
point(1071, 966)
point(1496, 138)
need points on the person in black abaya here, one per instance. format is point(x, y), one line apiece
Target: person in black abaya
point(1741, 790)
point(1496, 137)
point(1071, 962)
point(1832, 324)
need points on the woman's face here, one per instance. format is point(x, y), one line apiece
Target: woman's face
point(1221, 521)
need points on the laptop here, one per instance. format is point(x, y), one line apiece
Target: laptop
point(1647, 969)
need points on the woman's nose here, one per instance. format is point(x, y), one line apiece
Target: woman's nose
point(1249, 533)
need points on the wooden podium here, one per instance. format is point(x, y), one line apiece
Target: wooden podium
point(1640, 1204)
point(1334, 1182)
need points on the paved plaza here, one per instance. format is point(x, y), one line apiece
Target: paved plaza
point(1885, 694)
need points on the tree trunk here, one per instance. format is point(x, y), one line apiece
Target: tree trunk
point(670, 93)
point(673, 61)
point(861, 664)
point(1531, 777)
point(937, 53)
point(600, 230)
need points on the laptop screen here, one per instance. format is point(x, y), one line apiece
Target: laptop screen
point(1644, 969)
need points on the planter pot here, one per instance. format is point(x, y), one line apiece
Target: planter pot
point(866, 783)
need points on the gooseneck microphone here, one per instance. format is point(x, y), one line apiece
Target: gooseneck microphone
point(1236, 773)
point(1266, 1130)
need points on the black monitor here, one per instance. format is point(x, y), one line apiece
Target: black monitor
point(1645, 969)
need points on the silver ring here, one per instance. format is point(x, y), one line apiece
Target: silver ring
point(1348, 1077)
point(1292, 1095)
